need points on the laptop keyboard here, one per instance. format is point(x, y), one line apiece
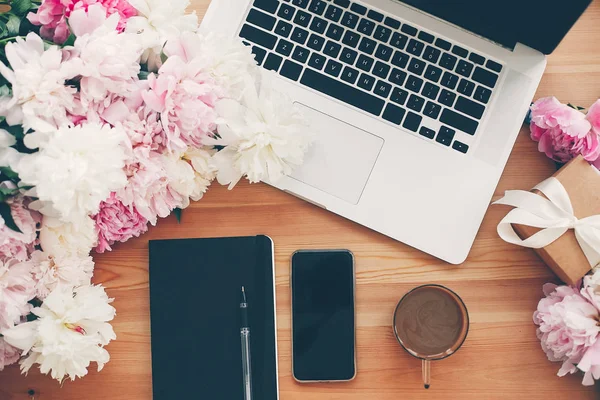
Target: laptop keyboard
point(376, 63)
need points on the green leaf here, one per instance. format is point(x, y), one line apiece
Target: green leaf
point(143, 75)
point(5, 91)
point(163, 56)
point(3, 30)
point(9, 173)
point(8, 218)
point(16, 131)
point(13, 25)
point(177, 213)
point(8, 191)
point(21, 7)
point(70, 40)
point(26, 187)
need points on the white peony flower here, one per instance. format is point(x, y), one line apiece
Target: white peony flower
point(75, 169)
point(156, 22)
point(264, 136)
point(59, 238)
point(16, 289)
point(229, 62)
point(63, 270)
point(8, 354)
point(39, 94)
point(8, 155)
point(70, 333)
point(204, 169)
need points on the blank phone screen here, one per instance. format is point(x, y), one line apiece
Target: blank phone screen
point(323, 315)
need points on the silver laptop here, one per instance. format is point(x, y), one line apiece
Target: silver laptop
point(416, 104)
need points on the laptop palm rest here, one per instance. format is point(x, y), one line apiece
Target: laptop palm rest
point(341, 158)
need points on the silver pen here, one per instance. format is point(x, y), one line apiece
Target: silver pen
point(245, 337)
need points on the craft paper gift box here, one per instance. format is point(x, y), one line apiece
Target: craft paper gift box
point(565, 256)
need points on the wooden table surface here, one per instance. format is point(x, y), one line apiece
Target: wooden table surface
point(500, 283)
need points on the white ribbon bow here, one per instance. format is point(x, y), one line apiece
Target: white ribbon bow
point(553, 214)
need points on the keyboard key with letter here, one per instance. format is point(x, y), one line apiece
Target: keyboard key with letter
point(316, 61)
point(300, 54)
point(333, 68)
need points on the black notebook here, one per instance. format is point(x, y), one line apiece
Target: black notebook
point(195, 289)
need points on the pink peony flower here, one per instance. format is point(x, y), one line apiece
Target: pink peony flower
point(548, 113)
point(593, 116)
point(568, 326)
point(16, 289)
point(52, 15)
point(8, 354)
point(185, 97)
point(116, 222)
point(19, 245)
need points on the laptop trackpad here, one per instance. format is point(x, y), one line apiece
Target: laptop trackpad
point(341, 158)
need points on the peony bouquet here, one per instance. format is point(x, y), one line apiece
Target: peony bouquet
point(113, 113)
point(569, 326)
point(563, 131)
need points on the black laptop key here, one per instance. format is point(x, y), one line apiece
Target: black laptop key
point(333, 68)
point(302, 18)
point(300, 54)
point(464, 68)
point(476, 58)
point(381, 70)
point(315, 42)
point(392, 23)
point(432, 110)
point(341, 91)
point(291, 70)
point(459, 121)
point(261, 19)
point(433, 73)
point(466, 87)
point(333, 13)
point(415, 47)
point(269, 6)
point(399, 40)
point(459, 146)
point(397, 77)
point(348, 56)
point(300, 3)
point(414, 84)
point(431, 54)
point(416, 66)
point(449, 80)
point(482, 94)
point(447, 98)
point(430, 91)
point(335, 32)
point(399, 95)
point(317, 6)
point(332, 49)
point(351, 38)
point(299, 35)
point(394, 114)
point(286, 12)
point(412, 121)
point(415, 103)
point(272, 62)
point(365, 63)
point(350, 75)
point(400, 59)
point(442, 44)
point(382, 33)
point(428, 133)
point(374, 15)
point(493, 65)
point(382, 89)
point(258, 36)
point(409, 30)
point(383, 52)
point(448, 61)
point(367, 45)
point(259, 54)
point(283, 29)
point(365, 26)
point(318, 25)
point(459, 51)
point(485, 77)
point(357, 8)
point(316, 61)
point(284, 47)
point(469, 107)
point(350, 20)
point(342, 3)
point(445, 136)
point(426, 37)
point(366, 81)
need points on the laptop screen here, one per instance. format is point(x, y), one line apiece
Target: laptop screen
point(540, 24)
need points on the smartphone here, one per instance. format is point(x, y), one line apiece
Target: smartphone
point(323, 317)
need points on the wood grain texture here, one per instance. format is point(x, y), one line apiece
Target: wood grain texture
point(500, 283)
